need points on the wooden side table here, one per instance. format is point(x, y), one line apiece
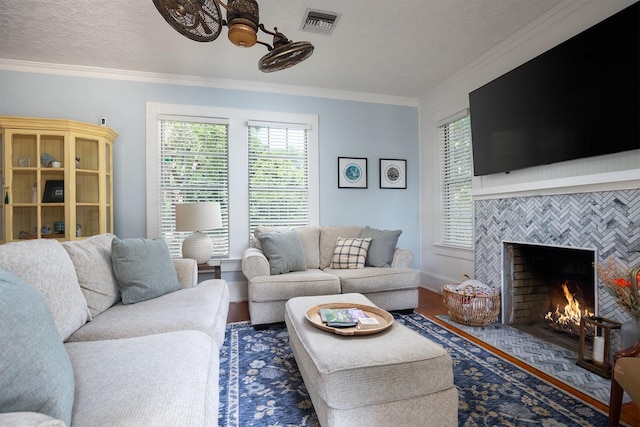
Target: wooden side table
point(211, 267)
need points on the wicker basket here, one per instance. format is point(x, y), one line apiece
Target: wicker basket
point(469, 307)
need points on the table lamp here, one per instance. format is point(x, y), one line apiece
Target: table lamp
point(198, 217)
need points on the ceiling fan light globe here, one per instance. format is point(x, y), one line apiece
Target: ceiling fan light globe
point(242, 35)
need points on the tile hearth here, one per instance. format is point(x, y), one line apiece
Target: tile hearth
point(552, 359)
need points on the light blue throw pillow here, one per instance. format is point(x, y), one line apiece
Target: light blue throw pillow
point(143, 269)
point(283, 250)
point(36, 374)
point(382, 247)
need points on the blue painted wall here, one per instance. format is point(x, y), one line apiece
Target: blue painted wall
point(346, 128)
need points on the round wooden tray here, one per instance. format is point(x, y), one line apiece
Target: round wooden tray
point(385, 318)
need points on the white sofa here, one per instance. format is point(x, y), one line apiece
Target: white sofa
point(392, 287)
point(150, 362)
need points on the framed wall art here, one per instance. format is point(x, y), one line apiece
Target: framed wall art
point(352, 172)
point(53, 191)
point(393, 173)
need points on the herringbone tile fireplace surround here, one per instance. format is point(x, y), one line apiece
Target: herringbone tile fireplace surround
point(607, 222)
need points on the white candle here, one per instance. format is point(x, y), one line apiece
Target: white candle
point(598, 349)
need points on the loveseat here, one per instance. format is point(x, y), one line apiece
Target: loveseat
point(324, 260)
point(107, 331)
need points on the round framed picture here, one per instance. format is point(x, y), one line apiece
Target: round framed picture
point(352, 172)
point(393, 173)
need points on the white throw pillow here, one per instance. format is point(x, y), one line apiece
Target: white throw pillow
point(92, 260)
point(45, 265)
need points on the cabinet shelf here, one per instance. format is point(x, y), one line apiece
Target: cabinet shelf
point(42, 236)
point(84, 182)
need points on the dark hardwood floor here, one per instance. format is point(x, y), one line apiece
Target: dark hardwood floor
point(430, 305)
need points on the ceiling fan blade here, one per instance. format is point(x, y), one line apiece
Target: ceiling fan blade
point(199, 20)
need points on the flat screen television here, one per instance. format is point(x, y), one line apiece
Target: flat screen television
point(578, 99)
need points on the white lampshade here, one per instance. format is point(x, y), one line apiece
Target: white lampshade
point(198, 217)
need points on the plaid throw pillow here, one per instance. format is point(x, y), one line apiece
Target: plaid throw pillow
point(350, 253)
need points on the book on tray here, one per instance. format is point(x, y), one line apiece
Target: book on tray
point(346, 318)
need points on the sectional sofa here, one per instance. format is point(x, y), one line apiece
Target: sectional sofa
point(105, 331)
point(324, 260)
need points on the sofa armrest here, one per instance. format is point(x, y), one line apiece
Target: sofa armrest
point(187, 270)
point(402, 258)
point(255, 264)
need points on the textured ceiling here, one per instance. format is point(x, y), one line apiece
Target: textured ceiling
point(398, 48)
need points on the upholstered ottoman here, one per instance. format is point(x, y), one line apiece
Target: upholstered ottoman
point(395, 377)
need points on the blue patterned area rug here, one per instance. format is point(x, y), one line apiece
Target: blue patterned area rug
point(260, 384)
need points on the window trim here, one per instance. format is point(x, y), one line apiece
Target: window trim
point(238, 120)
point(442, 247)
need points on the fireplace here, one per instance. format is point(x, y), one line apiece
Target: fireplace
point(547, 289)
point(607, 222)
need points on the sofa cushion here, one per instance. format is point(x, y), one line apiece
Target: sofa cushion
point(283, 250)
point(91, 258)
point(168, 379)
point(297, 283)
point(143, 269)
point(310, 238)
point(45, 265)
point(373, 279)
point(36, 373)
point(329, 236)
point(350, 253)
point(207, 305)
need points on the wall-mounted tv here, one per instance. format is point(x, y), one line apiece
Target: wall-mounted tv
point(578, 99)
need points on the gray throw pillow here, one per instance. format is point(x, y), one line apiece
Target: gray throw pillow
point(36, 373)
point(383, 245)
point(143, 269)
point(283, 250)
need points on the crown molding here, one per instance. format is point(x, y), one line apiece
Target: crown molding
point(182, 80)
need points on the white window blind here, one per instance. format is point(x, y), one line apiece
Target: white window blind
point(193, 167)
point(278, 175)
point(456, 173)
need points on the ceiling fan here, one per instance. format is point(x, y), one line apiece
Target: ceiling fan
point(201, 20)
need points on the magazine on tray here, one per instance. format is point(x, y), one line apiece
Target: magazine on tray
point(342, 317)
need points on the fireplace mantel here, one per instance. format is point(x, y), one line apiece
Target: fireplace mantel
point(610, 181)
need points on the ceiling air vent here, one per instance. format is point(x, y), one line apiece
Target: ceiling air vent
point(320, 22)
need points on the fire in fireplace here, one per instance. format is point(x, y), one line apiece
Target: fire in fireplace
point(567, 314)
point(547, 289)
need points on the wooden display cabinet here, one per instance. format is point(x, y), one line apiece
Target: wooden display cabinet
point(57, 179)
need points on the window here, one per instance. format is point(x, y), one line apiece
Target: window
point(455, 181)
point(261, 166)
point(193, 168)
point(278, 175)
